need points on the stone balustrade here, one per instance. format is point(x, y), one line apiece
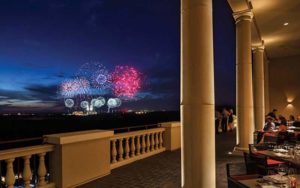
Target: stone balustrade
point(93, 154)
point(132, 146)
point(26, 153)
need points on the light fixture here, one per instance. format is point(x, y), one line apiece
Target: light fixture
point(286, 24)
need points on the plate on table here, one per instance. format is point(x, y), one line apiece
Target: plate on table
point(283, 155)
point(280, 150)
point(276, 178)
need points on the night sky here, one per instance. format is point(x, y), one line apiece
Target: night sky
point(45, 42)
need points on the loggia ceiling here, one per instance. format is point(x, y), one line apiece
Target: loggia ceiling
point(277, 22)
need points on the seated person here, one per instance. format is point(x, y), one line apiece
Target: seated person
point(282, 125)
point(291, 120)
point(269, 125)
point(282, 128)
point(297, 122)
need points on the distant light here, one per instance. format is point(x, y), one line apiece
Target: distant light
point(286, 23)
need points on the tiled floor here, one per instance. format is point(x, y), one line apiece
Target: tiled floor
point(163, 170)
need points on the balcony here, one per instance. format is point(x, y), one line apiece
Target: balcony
point(155, 162)
point(76, 158)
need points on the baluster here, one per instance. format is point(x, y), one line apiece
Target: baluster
point(152, 142)
point(161, 139)
point(114, 151)
point(138, 145)
point(42, 169)
point(27, 171)
point(10, 175)
point(156, 140)
point(132, 149)
point(127, 149)
point(18, 172)
point(121, 151)
point(148, 143)
point(143, 144)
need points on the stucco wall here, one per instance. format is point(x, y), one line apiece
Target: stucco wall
point(284, 88)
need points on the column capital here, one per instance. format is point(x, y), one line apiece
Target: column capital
point(260, 48)
point(244, 15)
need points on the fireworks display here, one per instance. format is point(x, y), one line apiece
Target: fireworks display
point(98, 102)
point(114, 103)
point(93, 79)
point(69, 103)
point(126, 81)
point(73, 87)
point(84, 105)
point(96, 73)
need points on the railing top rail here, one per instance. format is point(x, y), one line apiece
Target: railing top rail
point(24, 151)
point(135, 127)
point(135, 133)
point(20, 140)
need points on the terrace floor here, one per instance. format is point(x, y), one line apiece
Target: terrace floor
point(163, 170)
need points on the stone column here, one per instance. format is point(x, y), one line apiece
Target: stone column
point(258, 84)
point(267, 98)
point(197, 95)
point(245, 113)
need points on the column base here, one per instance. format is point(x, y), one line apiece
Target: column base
point(239, 151)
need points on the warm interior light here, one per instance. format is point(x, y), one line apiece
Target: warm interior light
point(286, 23)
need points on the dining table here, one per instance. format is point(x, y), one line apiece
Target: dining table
point(256, 183)
point(285, 157)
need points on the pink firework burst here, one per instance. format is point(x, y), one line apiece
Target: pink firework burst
point(126, 81)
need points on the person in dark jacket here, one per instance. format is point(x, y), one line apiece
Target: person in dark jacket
point(225, 114)
point(273, 114)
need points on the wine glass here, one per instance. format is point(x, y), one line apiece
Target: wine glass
point(291, 175)
point(282, 170)
point(291, 152)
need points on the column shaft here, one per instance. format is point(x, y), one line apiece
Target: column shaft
point(245, 114)
point(197, 94)
point(258, 83)
point(267, 98)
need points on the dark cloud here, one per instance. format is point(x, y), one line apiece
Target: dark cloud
point(29, 109)
point(34, 99)
point(43, 92)
point(60, 75)
point(9, 94)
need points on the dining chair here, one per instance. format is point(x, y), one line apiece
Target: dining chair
point(265, 165)
point(249, 164)
point(282, 137)
point(236, 172)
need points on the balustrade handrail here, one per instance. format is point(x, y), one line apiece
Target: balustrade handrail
point(135, 127)
point(25, 151)
point(135, 133)
point(20, 140)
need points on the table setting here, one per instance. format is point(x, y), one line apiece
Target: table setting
point(285, 178)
